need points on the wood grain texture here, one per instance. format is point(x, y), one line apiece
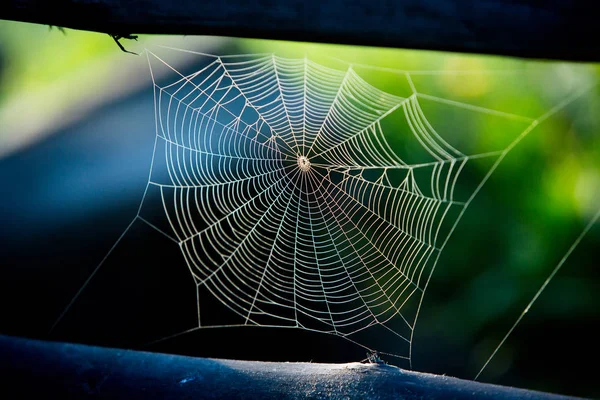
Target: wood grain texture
point(553, 29)
point(38, 369)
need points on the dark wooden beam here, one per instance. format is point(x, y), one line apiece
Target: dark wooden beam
point(553, 29)
point(36, 369)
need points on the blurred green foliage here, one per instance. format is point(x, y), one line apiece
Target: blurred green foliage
point(35, 55)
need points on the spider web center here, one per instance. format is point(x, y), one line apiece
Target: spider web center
point(303, 163)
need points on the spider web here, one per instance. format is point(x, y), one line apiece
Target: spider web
point(295, 204)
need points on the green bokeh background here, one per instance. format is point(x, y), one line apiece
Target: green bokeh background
point(514, 232)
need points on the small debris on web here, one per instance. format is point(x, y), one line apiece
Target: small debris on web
point(117, 37)
point(373, 358)
point(60, 28)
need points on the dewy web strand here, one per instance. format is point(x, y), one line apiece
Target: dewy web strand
point(289, 204)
